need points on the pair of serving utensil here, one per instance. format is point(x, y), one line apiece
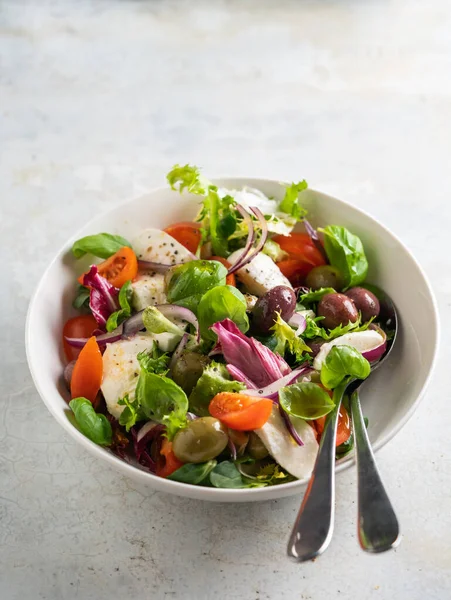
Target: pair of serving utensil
point(378, 527)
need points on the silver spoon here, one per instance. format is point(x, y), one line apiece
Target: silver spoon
point(378, 527)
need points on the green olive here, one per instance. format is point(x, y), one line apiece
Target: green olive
point(202, 440)
point(240, 439)
point(323, 277)
point(188, 369)
point(256, 447)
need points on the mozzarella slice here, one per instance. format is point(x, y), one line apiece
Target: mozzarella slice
point(148, 290)
point(260, 275)
point(297, 460)
point(158, 246)
point(360, 340)
point(121, 367)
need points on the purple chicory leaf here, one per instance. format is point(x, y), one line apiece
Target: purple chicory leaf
point(102, 296)
point(254, 360)
point(238, 375)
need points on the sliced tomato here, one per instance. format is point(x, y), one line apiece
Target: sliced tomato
point(343, 427)
point(230, 279)
point(119, 268)
point(167, 462)
point(187, 233)
point(303, 256)
point(88, 371)
point(81, 326)
point(239, 411)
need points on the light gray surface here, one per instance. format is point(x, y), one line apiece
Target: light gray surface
point(98, 100)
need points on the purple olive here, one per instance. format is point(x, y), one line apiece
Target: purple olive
point(337, 309)
point(365, 301)
point(281, 299)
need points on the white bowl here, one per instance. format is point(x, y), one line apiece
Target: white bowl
point(391, 395)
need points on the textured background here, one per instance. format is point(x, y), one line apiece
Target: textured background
point(97, 101)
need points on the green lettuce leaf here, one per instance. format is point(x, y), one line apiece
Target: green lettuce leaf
point(306, 400)
point(153, 360)
point(119, 316)
point(287, 340)
point(189, 282)
point(131, 414)
point(219, 303)
point(345, 252)
point(193, 473)
point(214, 379)
point(290, 203)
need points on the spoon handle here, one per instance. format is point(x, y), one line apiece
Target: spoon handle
point(378, 527)
point(312, 531)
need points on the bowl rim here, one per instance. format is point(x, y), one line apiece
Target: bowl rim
point(175, 487)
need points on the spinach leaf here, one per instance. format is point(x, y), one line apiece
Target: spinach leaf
point(214, 379)
point(131, 414)
point(153, 360)
point(345, 252)
point(81, 299)
point(343, 362)
point(219, 303)
point(102, 245)
point(94, 426)
point(306, 400)
point(162, 400)
point(314, 296)
point(226, 475)
point(193, 473)
point(125, 298)
point(191, 280)
point(290, 203)
point(287, 340)
point(155, 322)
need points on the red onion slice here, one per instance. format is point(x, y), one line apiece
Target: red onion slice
point(180, 312)
point(298, 320)
point(376, 353)
point(178, 351)
point(104, 338)
point(258, 248)
point(238, 375)
point(145, 430)
point(292, 431)
point(271, 391)
point(232, 449)
point(250, 238)
point(315, 238)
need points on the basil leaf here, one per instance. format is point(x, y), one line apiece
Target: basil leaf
point(214, 379)
point(162, 400)
point(102, 245)
point(81, 299)
point(188, 282)
point(345, 252)
point(94, 426)
point(119, 316)
point(342, 362)
point(193, 473)
point(224, 302)
point(290, 203)
point(306, 400)
point(226, 475)
point(314, 296)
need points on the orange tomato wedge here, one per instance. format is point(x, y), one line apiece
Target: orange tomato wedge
point(239, 411)
point(119, 268)
point(187, 233)
point(169, 463)
point(230, 279)
point(88, 371)
point(343, 427)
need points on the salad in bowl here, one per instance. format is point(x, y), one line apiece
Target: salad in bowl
point(211, 352)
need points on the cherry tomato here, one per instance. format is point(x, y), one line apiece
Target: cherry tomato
point(239, 411)
point(343, 427)
point(88, 371)
point(81, 326)
point(303, 256)
point(119, 268)
point(167, 462)
point(187, 233)
point(230, 279)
